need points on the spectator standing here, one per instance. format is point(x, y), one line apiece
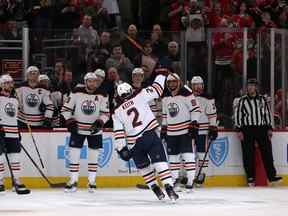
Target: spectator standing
point(99, 14)
point(99, 56)
point(129, 49)
point(172, 59)
point(158, 43)
point(121, 62)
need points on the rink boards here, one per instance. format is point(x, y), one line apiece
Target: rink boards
point(225, 165)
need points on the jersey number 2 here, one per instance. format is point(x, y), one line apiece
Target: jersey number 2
point(135, 121)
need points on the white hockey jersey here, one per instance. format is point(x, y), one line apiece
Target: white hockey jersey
point(134, 116)
point(179, 111)
point(31, 100)
point(86, 108)
point(8, 115)
point(208, 115)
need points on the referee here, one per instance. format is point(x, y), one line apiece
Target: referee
point(253, 122)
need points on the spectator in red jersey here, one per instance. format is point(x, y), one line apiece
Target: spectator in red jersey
point(243, 19)
point(178, 8)
point(224, 83)
point(215, 15)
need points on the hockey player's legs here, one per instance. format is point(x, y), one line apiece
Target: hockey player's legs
point(94, 146)
point(188, 156)
point(2, 169)
point(201, 147)
point(173, 151)
point(75, 144)
point(13, 149)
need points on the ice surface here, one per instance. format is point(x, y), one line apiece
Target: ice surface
point(137, 202)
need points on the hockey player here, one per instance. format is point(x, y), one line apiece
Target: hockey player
point(180, 116)
point(36, 107)
point(85, 112)
point(207, 126)
point(134, 121)
point(9, 138)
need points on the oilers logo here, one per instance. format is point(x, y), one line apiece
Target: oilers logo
point(173, 109)
point(88, 107)
point(10, 109)
point(32, 100)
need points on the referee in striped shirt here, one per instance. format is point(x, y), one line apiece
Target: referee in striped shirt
point(253, 122)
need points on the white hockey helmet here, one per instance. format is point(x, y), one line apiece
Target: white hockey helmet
point(173, 76)
point(6, 78)
point(43, 77)
point(90, 75)
point(32, 69)
point(138, 71)
point(197, 80)
point(124, 89)
point(100, 73)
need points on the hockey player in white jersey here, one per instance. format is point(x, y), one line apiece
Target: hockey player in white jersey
point(135, 135)
point(180, 116)
point(36, 107)
point(207, 126)
point(9, 137)
point(85, 112)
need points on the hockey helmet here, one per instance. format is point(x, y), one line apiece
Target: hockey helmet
point(32, 69)
point(197, 80)
point(173, 77)
point(6, 78)
point(43, 77)
point(90, 75)
point(100, 73)
point(138, 71)
point(124, 89)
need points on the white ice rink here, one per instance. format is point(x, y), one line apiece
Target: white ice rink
point(137, 202)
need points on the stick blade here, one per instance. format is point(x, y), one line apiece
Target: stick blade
point(57, 185)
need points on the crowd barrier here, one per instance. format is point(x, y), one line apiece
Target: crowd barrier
point(225, 165)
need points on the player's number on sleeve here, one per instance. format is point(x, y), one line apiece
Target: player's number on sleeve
point(135, 122)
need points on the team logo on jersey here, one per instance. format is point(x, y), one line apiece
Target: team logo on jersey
point(10, 109)
point(32, 100)
point(88, 107)
point(173, 109)
point(219, 151)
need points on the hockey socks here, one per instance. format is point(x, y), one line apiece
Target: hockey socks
point(164, 172)
point(74, 166)
point(189, 166)
point(92, 165)
point(148, 175)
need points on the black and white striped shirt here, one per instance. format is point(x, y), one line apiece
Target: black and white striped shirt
point(252, 111)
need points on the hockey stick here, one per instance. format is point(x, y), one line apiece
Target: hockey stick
point(34, 142)
point(17, 190)
point(203, 162)
point(52, 185)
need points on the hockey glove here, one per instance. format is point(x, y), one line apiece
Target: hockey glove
point(47, 123)
point(42, 108)
point(71, 125)
point(194, 129)
point(97, 126)
point(162, 71)
point(125, 153)
point(213, 132)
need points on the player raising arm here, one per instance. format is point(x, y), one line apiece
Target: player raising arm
point(135, 123)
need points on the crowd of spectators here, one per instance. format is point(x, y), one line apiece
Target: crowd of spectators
point(93, 25)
